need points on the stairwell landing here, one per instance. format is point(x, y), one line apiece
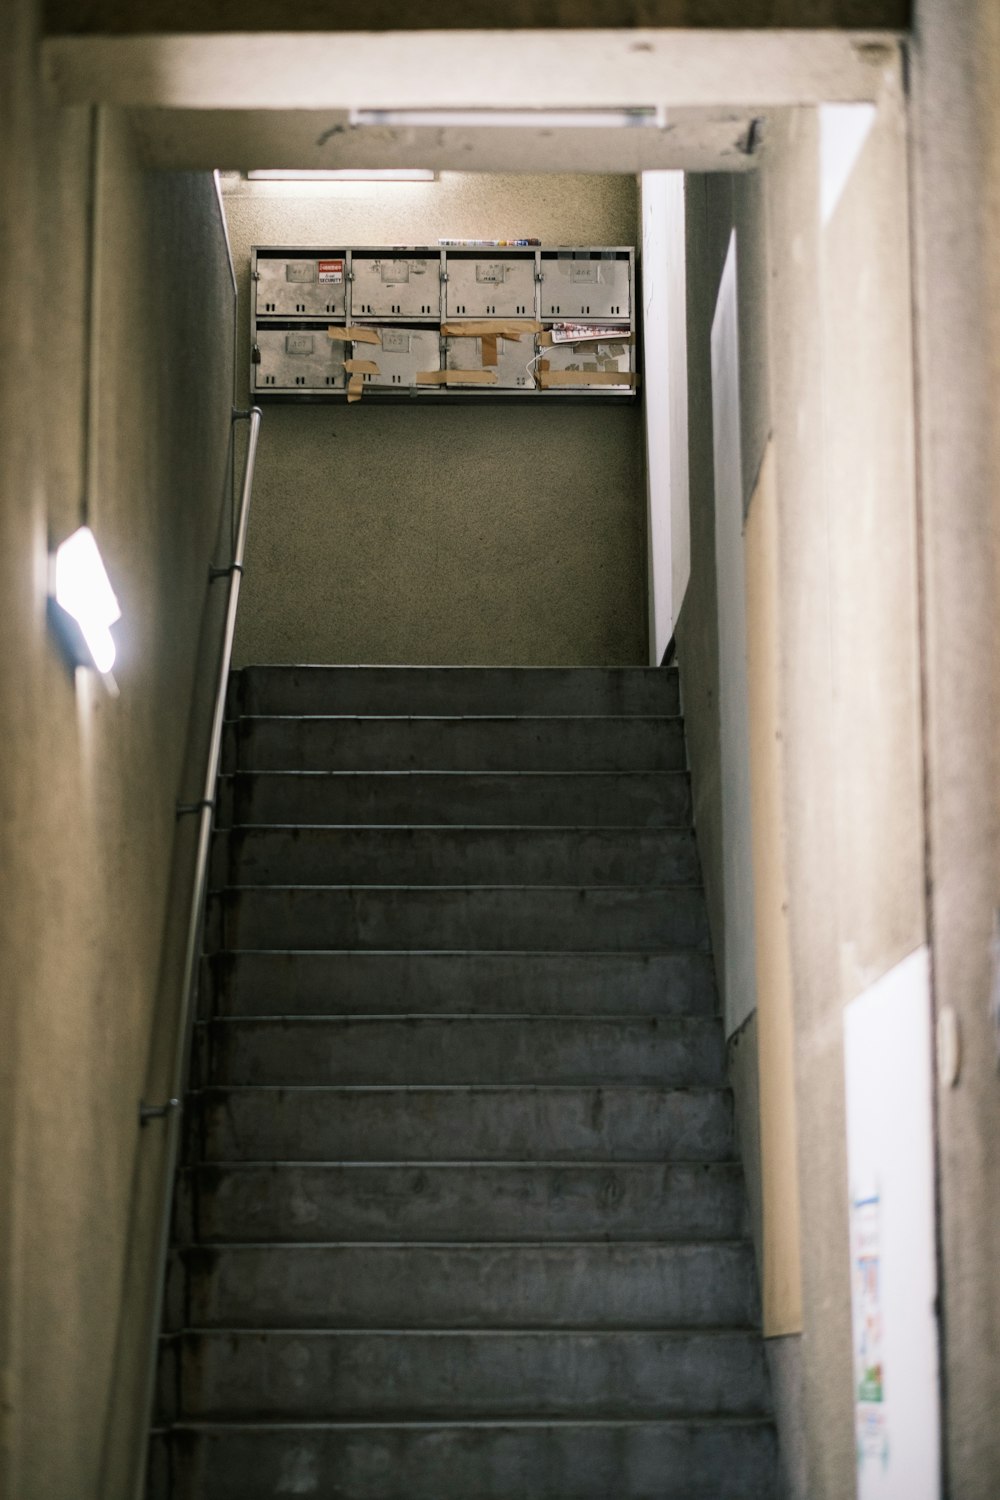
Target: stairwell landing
point(460, 1213)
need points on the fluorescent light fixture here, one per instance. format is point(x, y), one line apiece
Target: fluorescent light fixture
point(521, 119)
point(345, 174)
point(85, 603)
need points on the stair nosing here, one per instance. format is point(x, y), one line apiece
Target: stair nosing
point(565, 1017)
point(455, 718)
point(255, 1423)
point(422, 1163)
point(484, 1088)
point(635, 953)
point(453, 885)
point(733, 1241)
point(676, 1331)
point(453, 771)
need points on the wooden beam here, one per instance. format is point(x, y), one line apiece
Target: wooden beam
point(172, 17)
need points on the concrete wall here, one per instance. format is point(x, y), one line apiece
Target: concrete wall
point(89, 782)
point(957, 180)
point(470, 532)
point(825, 359)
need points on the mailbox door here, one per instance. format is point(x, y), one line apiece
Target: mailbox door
point(404, 353)
point(586, 284)
point(298, 359)
point(491, 285)
point(314, 285)
point(387, 286)
point(599, 355)
point(514, 360)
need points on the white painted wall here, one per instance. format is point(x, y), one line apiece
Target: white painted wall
point(738, 976)
point(664, 296)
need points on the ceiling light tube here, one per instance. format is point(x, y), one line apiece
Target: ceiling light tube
point(520, 119)
point(82, 602)
point(344, 174)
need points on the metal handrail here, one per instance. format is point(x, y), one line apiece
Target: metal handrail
point(205, 808)
point(170, 1110)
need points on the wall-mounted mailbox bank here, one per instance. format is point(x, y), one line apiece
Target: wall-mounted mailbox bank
point(382, 321)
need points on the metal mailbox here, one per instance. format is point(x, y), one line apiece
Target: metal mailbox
point(391, 286)
point(586, 284)
point(404, 353)
point(514, 360)
point(491, 285)
point(298, 359)
point(311, 285)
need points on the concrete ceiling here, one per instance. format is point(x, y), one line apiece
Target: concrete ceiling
point(283, 99)
point(138, 17)
point(693, 140)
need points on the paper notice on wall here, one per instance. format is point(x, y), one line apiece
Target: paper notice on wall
point(869, 1326)
point(889, 1090)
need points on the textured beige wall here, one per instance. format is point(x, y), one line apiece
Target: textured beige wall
point(837, 314)
point(467, 532)
point(779, 1190)
point(957, 162)
point(840, 317)
point(89, 782)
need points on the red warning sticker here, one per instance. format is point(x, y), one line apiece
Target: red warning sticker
point(331, 270)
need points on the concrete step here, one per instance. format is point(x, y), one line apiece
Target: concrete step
point(357, 1201)
point(729, 1459)
point(438, 744)
point(455, 856)
point(635, 919)
point(403, 1286)
point(454, 690)
point(605, 799)
point(667, 1051)
point(509, 1123)
point(681, 982)
point(453, 1375)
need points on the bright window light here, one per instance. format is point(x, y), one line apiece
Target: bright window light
point(345, 174)
point(82, 589)
point(522, 119)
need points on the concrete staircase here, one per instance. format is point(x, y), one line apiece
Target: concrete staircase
point(461, 1217)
